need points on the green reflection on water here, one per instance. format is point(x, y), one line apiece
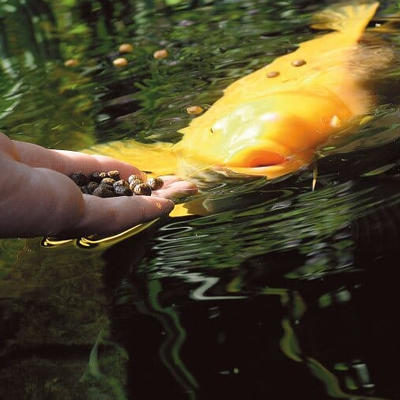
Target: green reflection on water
point(303, 221)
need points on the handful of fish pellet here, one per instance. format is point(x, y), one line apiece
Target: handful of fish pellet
point(110, 184)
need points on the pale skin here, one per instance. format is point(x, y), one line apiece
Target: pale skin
point(39, 199)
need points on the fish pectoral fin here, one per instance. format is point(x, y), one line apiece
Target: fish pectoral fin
point(157, 158)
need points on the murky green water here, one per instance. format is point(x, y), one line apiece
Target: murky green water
point(281, 293)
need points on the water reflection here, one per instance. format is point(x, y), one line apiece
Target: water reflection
point(262, 294)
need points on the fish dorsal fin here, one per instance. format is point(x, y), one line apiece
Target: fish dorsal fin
point(349, 18)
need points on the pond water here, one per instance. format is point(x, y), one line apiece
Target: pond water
point(282, 292)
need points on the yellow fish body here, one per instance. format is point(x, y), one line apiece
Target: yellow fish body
point(270, 122)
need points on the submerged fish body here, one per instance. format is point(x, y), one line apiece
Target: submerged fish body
point(270, 122)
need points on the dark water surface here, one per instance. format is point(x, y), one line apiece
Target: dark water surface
point(281, 293)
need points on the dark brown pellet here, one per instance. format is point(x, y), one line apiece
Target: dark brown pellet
point(104, 191)
point(89, 188)
point(95, 177)
point(92, 186)
point(79, 178)
point(121, 190)
point(85, 189)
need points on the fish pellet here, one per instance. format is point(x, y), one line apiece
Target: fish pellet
point(110, 184)
point(299, 63)
point(273, 74)
point(120, 62)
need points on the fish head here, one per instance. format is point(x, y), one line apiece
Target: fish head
point(256, 141)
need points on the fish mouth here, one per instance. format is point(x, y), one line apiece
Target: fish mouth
point(267, 163)
point(256, 159)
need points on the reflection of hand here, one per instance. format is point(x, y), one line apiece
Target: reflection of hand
point(39, 199)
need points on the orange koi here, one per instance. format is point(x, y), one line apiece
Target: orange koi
point(271, 122)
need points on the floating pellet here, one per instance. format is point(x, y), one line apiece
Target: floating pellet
point(125, 48)
point(79, 178)
point(273, 74)
point(299, 63)
point(186, 23)
point(160, 54)
point(194, 110)
point(120, 62)
point(143, 189)
point(155, 183)
point(71, 62)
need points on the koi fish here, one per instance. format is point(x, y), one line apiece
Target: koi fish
point(270, 122)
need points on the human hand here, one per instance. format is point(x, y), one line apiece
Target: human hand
point(39, 199)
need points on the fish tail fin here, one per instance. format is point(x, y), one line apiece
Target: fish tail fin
point(348, 18)
point(156, 159)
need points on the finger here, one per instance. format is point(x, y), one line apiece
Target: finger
point(87, 163)
point(170, 179)
point(108, 216)
point(68, 162)
point(175, 188)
